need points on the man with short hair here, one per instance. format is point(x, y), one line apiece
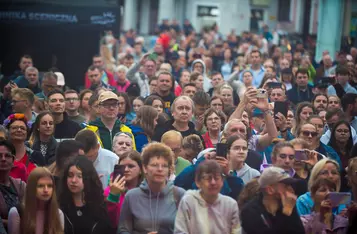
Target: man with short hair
point(22, 101)
point(72, 106)
point(64, 127)
point(30, 80)
point(320, 102)
point(256, 68)
point(201, 101)
point(301, 91)
point(192, 212)
point(342, 78)
point(273, 211)
point(95, 74)
point(326, 68)
point(349, 107)
point(93, 107)
point(49, 83)
point(138, 52)
point(108, 124)
point(216, 79)
point(106, 76)
point(277, 94)
point(153, 84)
point(165, 82)
point(189, 90)
point(284, 64)
point(103, 160)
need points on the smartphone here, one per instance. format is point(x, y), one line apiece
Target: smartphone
point(153, 56)
point(118, 170)
point(281, 107)
point(339, 198)
point(300, 155)
point(222, 149)
point(274, 85)
point(262, 93)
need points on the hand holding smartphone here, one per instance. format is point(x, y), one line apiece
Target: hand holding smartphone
point(119, 170)
point(222, 149)
point(339, 198)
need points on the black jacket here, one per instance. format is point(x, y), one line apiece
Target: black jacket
point(67, 129)
point(254, 159)
point(295, 95)
point(51, 150)
point(256, 220)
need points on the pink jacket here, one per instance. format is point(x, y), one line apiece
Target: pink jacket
point(113, 206)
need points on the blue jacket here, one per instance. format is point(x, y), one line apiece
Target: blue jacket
point(329, 152)
point(140, 137)
point(232, 185)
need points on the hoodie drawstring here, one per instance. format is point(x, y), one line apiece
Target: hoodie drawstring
point(154, 219)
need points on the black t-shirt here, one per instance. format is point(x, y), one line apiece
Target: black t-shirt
point(67, 129)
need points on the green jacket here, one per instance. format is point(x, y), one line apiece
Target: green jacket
point(105, 136)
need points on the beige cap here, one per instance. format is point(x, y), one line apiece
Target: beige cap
point(273, 175)
point(107, 95)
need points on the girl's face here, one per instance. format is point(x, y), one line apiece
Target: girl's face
point(342, 133)
point(47, 126)
point(238, 151)
point(137, 103)
point(333, 102)
point(157, 104)
point(217, 104)
point(18, 131)
point(227, 96)
point(75, 180)
point(44, 189)
point(305, 113)
point(85, 100)
point(330, 171)
point(285, 158)
point(213, 122)
point(123, 143)
point(122, 105)
point(132, 169)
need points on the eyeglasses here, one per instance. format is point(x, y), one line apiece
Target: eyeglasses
point(14, 102)
point(239, 148)
point(7, 155)
point(71, 99)
point(15, 128)
point(308, 133)
point(209, 178)
point(124, 133)
point(109, 105)
point(284, 156)
point(158, 166)
point(343, 131)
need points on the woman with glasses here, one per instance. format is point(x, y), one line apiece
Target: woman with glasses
point(325, 168)
point(319, 124)
point(42, 137)
point(152, 207)
point(217, 103)
point(39, 212)
point(213, 120)
point(122, 142)
point(119, 186)
point(143, 126)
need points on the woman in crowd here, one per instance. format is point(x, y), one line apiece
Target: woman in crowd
point(118, 187)
point(303, 112)
point(84, 97)
point(238, 85)
point(125, 115)
point(42, 136)
point(217, 103)
point(3, 133)
point(227, 64)
point(322, 219)
point(325, 168)
point(303, 167)
point(226, 93)
point(237, 154)
point(352, 182)
point(81, 199)
point(334, 102)
point(290, 121)
point(191, 147)
point(39, 212)
point(143, 126)
point(18, 131)
point(156, 102)
point(137, 103)
point(213, 120)
point(152, 207)
point(318, 122)
point(121, 82)
point(122, 142)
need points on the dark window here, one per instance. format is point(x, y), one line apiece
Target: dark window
point(284, 10)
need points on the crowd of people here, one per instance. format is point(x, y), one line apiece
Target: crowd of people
point(202, 134)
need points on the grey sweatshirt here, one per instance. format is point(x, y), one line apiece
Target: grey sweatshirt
point(143, 211)
point(247, 173)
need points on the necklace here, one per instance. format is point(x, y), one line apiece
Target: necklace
point(79, 213)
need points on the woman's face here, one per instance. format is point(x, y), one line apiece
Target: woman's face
point(330, 171)
point(319, 124)
point(247, 79)
point(238, 151)
point(85, 100)
point(217, 104)
point(199, 82)
point(122, 105)
point(285, 158)
point(333, 102)
point(18, 131)
point(290, 119)
point(213, 122)
point(75, 180)
point(157, 104)
point(122, 144)
point(321, 193)
point(157, 170)
point(121, 75)
point(305, 113)
point(308, 133)
point(44, 189)
point(47, 126)
point(227, 96)
point(342, 133)
point(132, 169)
point(137, 103)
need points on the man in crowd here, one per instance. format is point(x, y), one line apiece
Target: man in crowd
point(142, 78)
point(153, 84)
point(327, 68)
point(65, 128)
point(138, 51)
point(201, 101)
point(301, 92)
point(273, 211)
point(189, 90)
point(106, 76)
point(108, 124)
point(93, 107)
point(256, 68)
point(164, 89)
point(103, 160)
point(25, 62)
point(349, 106)
point(342, 78)
point(216, 80)
point(277, 94)
point(49, 83)
point(95, 74)
point(72, 106)
point(30, 80)
point(22, 101)
point(320, 102)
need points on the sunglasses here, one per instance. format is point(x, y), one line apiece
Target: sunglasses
point(284, 156)
point(308, 133)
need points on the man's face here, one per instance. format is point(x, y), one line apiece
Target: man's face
point(138, 49)
point(327, 61)
point(32, 77)
point(259, 123)
point(6, 159)
point(128, 62)
point(94, 110)
point(19, 104)
point(210, 184)
point(297, 56)
point(342, 79)
point(255, 58)
point(277, 95)
point(95, 76)
point(237, 128)
point(72, 102)
point(332, 121)
point(25, 63)
point(56, 103)
point(182, 111)
point(150, 68)
point(284, 63)
point(200, 110)
point(92, 154)
point(301, 80)
point(109, 109)
point(284, 159)
point(164, 83)
point(189, 91)
point(48, 85)
point(98, 61)
point(320, 103)
point(216, 80)
point(198, 67)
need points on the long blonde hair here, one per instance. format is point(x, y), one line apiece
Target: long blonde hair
point(52, 224)
point(315, 172)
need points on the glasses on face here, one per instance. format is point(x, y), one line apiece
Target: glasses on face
point(342, 131)
point(109, 105)
point(158, 166)
point(240, 148)
point(7, 155)
point(14, 102)
point(209, 178)
point(71, 99)
point(327, 172)
point(215, 119)
point(308, 133)
point(15, 128)
point(284, 156)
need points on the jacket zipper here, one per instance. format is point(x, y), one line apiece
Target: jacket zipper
point(70, 223)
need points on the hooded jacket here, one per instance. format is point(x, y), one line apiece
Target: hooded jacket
point(247, 173)
point(206, 81)
point(105, 136)
point(195, 215)
point(312, 224)
point(144, 211)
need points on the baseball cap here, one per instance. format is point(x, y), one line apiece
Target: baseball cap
point(60, 79)
point(107, 95)
point(273, 175)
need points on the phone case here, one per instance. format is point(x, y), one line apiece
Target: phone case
point(339, 198)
